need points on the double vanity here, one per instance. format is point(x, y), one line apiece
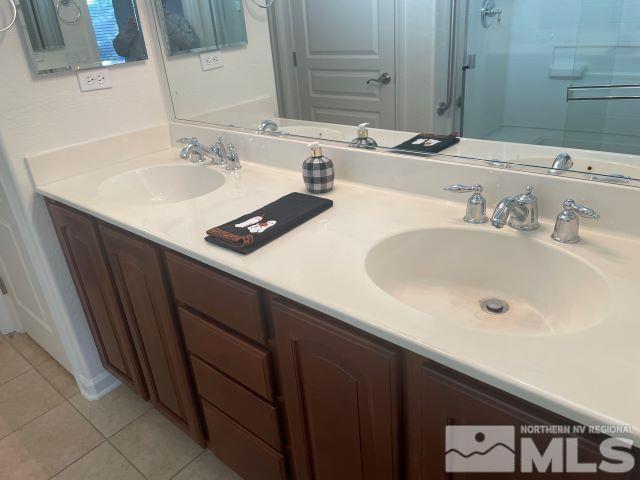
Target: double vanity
point(345, 348)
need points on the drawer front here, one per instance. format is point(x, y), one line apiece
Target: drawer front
point(244, 407)
point(249, 456)
point(231, 355)
point(230, 302)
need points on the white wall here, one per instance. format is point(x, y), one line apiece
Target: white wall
point(40, 114)
point(246, 80)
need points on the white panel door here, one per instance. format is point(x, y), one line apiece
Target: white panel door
point(21, 284)
point(340, 45)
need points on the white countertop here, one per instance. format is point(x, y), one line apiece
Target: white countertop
point(590, 376)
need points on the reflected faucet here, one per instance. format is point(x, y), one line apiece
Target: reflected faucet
point(519, 212)
point(267, 125)
point(562, 162)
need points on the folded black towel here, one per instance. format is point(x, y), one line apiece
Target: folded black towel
point(426, 143)
point(254, 230)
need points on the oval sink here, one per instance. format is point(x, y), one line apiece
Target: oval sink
point(449, 273)
point(161, 184)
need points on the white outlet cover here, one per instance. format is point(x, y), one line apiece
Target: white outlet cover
point(97, 79)
point(211, 60)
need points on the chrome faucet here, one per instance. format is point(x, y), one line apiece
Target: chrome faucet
point(220, 152)
point(520, 212)
point(476, 205)
point(267, 125)
point(567, 229)
point(562, 162)
point(195, 151)
point(233, 159)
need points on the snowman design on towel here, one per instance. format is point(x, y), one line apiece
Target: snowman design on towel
point(256, 225)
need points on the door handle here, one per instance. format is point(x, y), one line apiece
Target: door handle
point(384, 79)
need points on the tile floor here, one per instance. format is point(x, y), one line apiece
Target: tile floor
point(49, 431)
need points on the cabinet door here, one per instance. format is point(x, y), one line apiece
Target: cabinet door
point(437, 397)
point(341, 395)
point(140, 279)
point(78, 235)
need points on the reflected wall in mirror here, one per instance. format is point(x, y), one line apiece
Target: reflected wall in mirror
point(192, 26)
point(537, 78)
point(242, 90)
point(63, 35)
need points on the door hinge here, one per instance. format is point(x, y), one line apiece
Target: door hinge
point(295, 59)
point(3, 287)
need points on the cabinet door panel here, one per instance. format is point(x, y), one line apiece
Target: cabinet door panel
point(143, 291)
point(437, 397)
point(341, 395)
point(83, 251)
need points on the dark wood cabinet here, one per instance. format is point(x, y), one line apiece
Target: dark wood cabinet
point(80, 242)
point(341, 392)
point(275, 389)
point(437, 397)
point(141, 283)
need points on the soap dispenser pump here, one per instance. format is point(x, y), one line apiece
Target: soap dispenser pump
point(317, 171)
point(364, 140)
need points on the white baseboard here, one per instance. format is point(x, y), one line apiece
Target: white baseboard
point(97, 387)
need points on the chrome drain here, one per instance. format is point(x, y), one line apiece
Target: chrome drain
point(494, 306)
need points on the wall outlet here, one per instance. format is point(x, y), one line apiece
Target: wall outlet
point(94, 79)
point(211, 60)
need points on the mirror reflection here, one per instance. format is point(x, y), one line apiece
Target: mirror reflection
point(563, 77)
point(191, 26)
point(75, 34)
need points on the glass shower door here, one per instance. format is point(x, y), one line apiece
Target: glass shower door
point(603, 98)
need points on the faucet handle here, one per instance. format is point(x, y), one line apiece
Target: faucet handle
point(567, 229)
point(476, 205)
point(233, 159)
point(456, 188)
point(583, 211)
point(187, 141)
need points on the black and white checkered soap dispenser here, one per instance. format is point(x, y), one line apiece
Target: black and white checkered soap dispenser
point(317, 171)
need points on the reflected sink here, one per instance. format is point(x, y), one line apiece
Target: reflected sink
point(448, 273)
point(161, 184)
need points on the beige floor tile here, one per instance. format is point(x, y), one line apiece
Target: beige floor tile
point(29, 349)
point(23, 399)
point(58, 376)
point(103, 463)
point(207, 467)
point(112, 412)
point(155, 446)
point(47, 445)
point(12, 364)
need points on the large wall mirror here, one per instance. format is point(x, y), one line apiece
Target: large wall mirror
point(522, 81)
point(63, 35)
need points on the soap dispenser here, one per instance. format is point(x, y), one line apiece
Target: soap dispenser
point(364, 140)
point(317, 171)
